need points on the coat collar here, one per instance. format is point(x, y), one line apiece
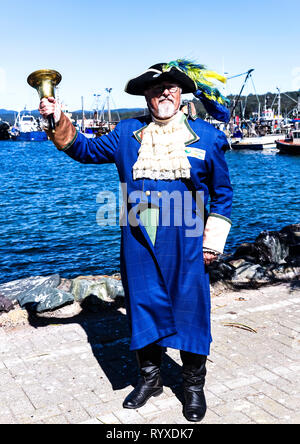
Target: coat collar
point(191, 136)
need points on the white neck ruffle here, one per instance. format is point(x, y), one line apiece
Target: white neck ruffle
point(162, 153)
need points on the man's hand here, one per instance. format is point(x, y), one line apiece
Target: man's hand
point(209, 257)
point(47, 106)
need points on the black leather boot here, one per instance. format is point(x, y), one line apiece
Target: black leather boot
point(150, 382)
point(193, 373)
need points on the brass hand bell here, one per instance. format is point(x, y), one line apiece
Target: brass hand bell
point(45, 81)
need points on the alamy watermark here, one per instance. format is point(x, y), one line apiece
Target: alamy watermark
point(180, 209)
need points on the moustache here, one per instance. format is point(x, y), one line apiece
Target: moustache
point(169, 99)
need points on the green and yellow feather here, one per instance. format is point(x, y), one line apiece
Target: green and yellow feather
point(202, 77)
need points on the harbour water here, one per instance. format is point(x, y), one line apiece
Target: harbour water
point(49, 206)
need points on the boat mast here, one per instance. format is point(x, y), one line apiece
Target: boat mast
point(108, 104)
point(82, 122)
point(96, 107)
point(279, 103)
point(240, 93)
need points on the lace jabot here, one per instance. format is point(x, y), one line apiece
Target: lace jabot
point(162, 153)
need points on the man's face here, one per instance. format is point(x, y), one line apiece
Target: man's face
point(163, 99)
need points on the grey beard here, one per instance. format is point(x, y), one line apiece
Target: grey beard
point(165, 110)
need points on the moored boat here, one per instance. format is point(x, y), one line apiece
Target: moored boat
point(27, 129)
point(291, 144)
point(98, 125)
point(255, 143)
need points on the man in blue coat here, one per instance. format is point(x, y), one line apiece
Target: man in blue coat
point(169, 165)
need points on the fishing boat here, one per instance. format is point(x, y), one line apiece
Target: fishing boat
point(92, 128)
point(27, 129)
point(291, 144)
point(255, 143)
point(262, 130)
point(97, 126)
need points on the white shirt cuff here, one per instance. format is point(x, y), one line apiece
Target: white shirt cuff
point(216, 232)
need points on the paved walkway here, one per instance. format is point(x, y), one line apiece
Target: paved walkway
point(68, 371)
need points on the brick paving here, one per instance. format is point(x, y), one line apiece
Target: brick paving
point(77, 369)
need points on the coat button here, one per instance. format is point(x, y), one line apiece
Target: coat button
point(147, 193)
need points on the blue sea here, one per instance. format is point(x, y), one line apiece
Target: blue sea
point(49, 207)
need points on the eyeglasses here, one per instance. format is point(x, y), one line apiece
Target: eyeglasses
point(159, 89)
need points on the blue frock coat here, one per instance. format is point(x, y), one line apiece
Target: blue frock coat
point(167, 284)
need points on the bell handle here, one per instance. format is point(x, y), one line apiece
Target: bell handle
point(51, 122)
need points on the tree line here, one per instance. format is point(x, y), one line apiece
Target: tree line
point(249, 103)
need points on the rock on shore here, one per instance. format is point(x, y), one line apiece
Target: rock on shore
point(46, 293)
point(273, 258)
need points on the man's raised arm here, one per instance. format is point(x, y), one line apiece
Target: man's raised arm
point(76, 145)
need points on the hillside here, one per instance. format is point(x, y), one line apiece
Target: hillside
point(124, 113)
point(250, 103)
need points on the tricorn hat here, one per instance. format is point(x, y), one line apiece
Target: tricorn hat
point(192, 78)
point(159, 73)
